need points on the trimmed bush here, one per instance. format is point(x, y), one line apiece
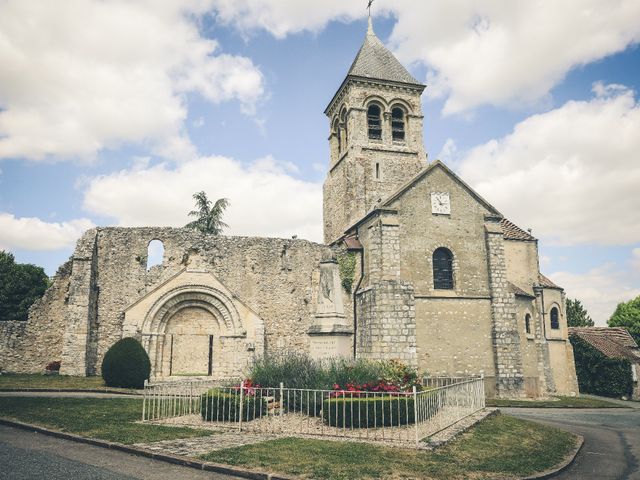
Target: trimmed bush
point(305, 402)
point(219, 405)
point(385, 411)
point(126, 364)
point(598, 374)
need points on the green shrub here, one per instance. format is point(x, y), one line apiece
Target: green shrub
point(298, 370)
point(303, 401)
point(219, 405)
point(598, 374)
point(126, 364)
point(371, 412)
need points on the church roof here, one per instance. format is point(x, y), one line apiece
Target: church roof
point(375, 61)
point(513, 232)
point(546, 283)
point(613, 342)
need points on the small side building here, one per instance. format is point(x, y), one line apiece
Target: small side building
point(613, 342)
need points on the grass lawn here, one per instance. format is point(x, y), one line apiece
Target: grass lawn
point(105, 418)
point(499, 446)
point(54, 382)
point(558, 402)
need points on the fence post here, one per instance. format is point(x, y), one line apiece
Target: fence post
point(415, 414)
point(281, 399)
point(144, 398)
point(241, 405)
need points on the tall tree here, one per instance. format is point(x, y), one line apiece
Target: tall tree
point(627, 315)
point(577, 315)
point(208, 215)
point(20, 286)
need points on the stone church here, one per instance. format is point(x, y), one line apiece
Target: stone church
point(415, 266)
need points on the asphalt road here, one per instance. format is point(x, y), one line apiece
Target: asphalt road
point(28, 455)
point(611, 440)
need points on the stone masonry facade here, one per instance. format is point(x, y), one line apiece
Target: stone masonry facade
point(442, 281)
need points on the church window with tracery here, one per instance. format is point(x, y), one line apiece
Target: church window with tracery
point(555, 319)
point(443, 269)
point(374, 121)
point(397, 124)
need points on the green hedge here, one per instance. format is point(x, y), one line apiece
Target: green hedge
point(301, 401)
point(370, 412)
point(598, 374)
point(218, 405)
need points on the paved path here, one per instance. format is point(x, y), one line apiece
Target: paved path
point(611, 449)
point(28, 455)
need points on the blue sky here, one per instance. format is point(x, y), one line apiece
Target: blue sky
point(537, 109)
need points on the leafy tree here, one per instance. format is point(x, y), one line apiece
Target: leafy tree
point(20, 286)
point(208, 214)
point(627, 315)
point(577, 315)
point(126, 364)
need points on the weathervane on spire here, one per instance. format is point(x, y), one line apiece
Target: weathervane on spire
point(369, 6)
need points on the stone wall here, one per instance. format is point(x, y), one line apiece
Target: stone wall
point(366, 171)
point(506, 338)
point(82, 314)
point(29, 346)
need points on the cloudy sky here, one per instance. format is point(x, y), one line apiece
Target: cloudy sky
point(116, 112)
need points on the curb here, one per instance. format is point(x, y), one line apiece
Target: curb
point(70, 390)
point(173, 459)
point(566, 463)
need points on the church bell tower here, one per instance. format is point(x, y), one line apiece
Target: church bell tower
point(376, 141)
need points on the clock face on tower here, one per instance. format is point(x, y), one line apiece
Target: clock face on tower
point(440, 203)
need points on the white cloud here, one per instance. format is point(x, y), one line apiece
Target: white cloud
point(635, 259)
point(572, 173)
point(600, 289)
point(489, 52)
point(81, 75)
point(265, 199)
point(34, 234)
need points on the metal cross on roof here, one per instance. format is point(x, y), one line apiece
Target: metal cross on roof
point(369, 6)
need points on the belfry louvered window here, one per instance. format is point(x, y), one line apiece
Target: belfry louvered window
point(397, 124)
point(374, 122)
point(442, 269)
point(555, 319)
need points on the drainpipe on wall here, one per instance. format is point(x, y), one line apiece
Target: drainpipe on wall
point(355, 290)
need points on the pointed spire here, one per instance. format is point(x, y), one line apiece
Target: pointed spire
point(370, 28)
point(375, 61)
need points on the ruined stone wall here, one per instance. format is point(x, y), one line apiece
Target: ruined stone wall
point(28, 346)
point(276, 278)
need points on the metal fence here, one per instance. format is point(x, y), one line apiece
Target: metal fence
point(403, 418)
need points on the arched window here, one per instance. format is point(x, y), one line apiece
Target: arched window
point(442, 269)
point(555, 320)
point(343, 123)
point(527, 323)
point(155, 254)
point(336, 132)
point(397, 124)
point(374, 122)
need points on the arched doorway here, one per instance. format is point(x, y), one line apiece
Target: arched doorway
point(190, 336)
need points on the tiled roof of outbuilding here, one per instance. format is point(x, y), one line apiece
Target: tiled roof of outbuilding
point(375, 61)
point(613, 342)
point(513, 232)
